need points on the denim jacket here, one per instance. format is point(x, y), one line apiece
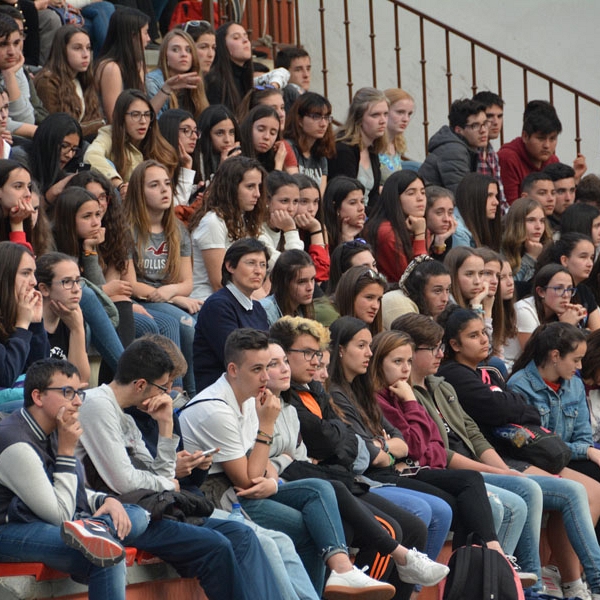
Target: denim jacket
point(564, 412)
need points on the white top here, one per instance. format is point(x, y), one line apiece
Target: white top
point(527, 319)
point(210, 233)
point(219, 424)
point(270, 238)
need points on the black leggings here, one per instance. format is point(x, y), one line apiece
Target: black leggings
point(463, 490)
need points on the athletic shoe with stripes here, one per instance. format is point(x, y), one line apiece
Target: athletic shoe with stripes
point(93, 539)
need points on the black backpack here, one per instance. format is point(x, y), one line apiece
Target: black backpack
point(478, 573)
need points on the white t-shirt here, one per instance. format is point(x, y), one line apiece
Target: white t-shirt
point(210, 233)
point(527, 318)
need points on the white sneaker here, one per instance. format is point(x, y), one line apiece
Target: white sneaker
point(357, 585)
point(419, 568)
point(578, 590)
point(551, 581)
point(526, 579)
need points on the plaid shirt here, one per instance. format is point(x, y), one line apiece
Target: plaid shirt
point(488, 164)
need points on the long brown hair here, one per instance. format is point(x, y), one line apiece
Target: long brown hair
point(136, 214)
point(153, 146)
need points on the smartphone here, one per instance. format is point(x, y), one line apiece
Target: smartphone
point(210, 451)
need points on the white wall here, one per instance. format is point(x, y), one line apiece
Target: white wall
point(556, 37)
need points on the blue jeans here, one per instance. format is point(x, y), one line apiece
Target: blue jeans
point(433, 511)
point(97, 15)
point(570, 498)
point(224, 555)
point(187, 324)
point(103, 333)
point(307, 511)
point(514, 515)
point(41, 542)
point(292, 578)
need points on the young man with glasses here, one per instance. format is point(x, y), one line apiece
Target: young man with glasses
point(225, 556)
point(244, 271)
point(453, 150)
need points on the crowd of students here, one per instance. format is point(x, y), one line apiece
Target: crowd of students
point(346, 328)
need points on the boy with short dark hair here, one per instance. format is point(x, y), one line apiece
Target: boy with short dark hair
point(563, 177)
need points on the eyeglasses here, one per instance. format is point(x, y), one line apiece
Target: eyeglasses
point(138, 115)
point(103, 197)
point(163, 388)
point(188, 131)
point(433, 349)
point(308, 354)
point(317, 117)
point(253, 264)
point(189, 24)
point(562, 291)
point(374, 276)
point(68, 282)
point(477, 126)
point(68, 392)
point(67, 148)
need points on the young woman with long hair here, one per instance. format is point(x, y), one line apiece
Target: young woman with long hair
point(402, 108)
point(177, 82)
point(234, 207)
point(526, 232)
point(162, 255)
point(358, 294)
point(265, 95)
point(54, 153)
point(259, 132)
point(219, 135)
point(477, 212)
point(576, 251)
point(360, 140)
point(179, 129)
point(311, 225)
point(59, 281)
point(292, 287)
point(344, 205)
point(23, 339)
point(550, 300)
point(309, 133)
point(16, 208)
point(203, 34)
point(121, 64)
point(467, 285)
point(439, 216)
point(133, 137)
point(396, 228)
point(582, 218)
point(231, 75)
point(424, 288)
point(66, 81)
point(354, 253)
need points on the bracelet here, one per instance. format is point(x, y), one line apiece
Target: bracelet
point(419, 234)
point(478, 308)
point(265, 442)
point(90, 253)
point(392, 459)
point(162, 89)
point(264, 434)
point(317, 232)
point(276, 483)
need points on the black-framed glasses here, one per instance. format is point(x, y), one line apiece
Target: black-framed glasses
point(66, 147)
point(433, 349)
point(562, 291)
point(69, 392)
point(163, 388)
point(318, 117)
point(138, 115)
point(308, 353)
point(189, 131)
point(477, 126)
point(69, 282)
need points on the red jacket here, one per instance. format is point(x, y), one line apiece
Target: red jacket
point(515, 165)
point(391, 261)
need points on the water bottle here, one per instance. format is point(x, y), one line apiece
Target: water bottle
point(236, 513)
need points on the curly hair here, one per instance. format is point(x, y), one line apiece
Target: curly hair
point(117, 246)
point(136, 215)
point(222, 198)
point(194, 100)
point(287, 330)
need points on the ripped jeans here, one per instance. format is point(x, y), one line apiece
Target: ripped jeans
point(187, 325)
point(307, 511)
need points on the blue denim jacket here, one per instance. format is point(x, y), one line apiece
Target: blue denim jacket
point(565, 413)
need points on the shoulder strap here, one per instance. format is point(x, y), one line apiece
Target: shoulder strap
point(197, 401)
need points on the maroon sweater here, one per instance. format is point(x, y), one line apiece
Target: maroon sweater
point(418, 430)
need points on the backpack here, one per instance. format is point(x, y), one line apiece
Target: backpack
point(478, 573)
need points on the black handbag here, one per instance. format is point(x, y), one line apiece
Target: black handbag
point(534, 444)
